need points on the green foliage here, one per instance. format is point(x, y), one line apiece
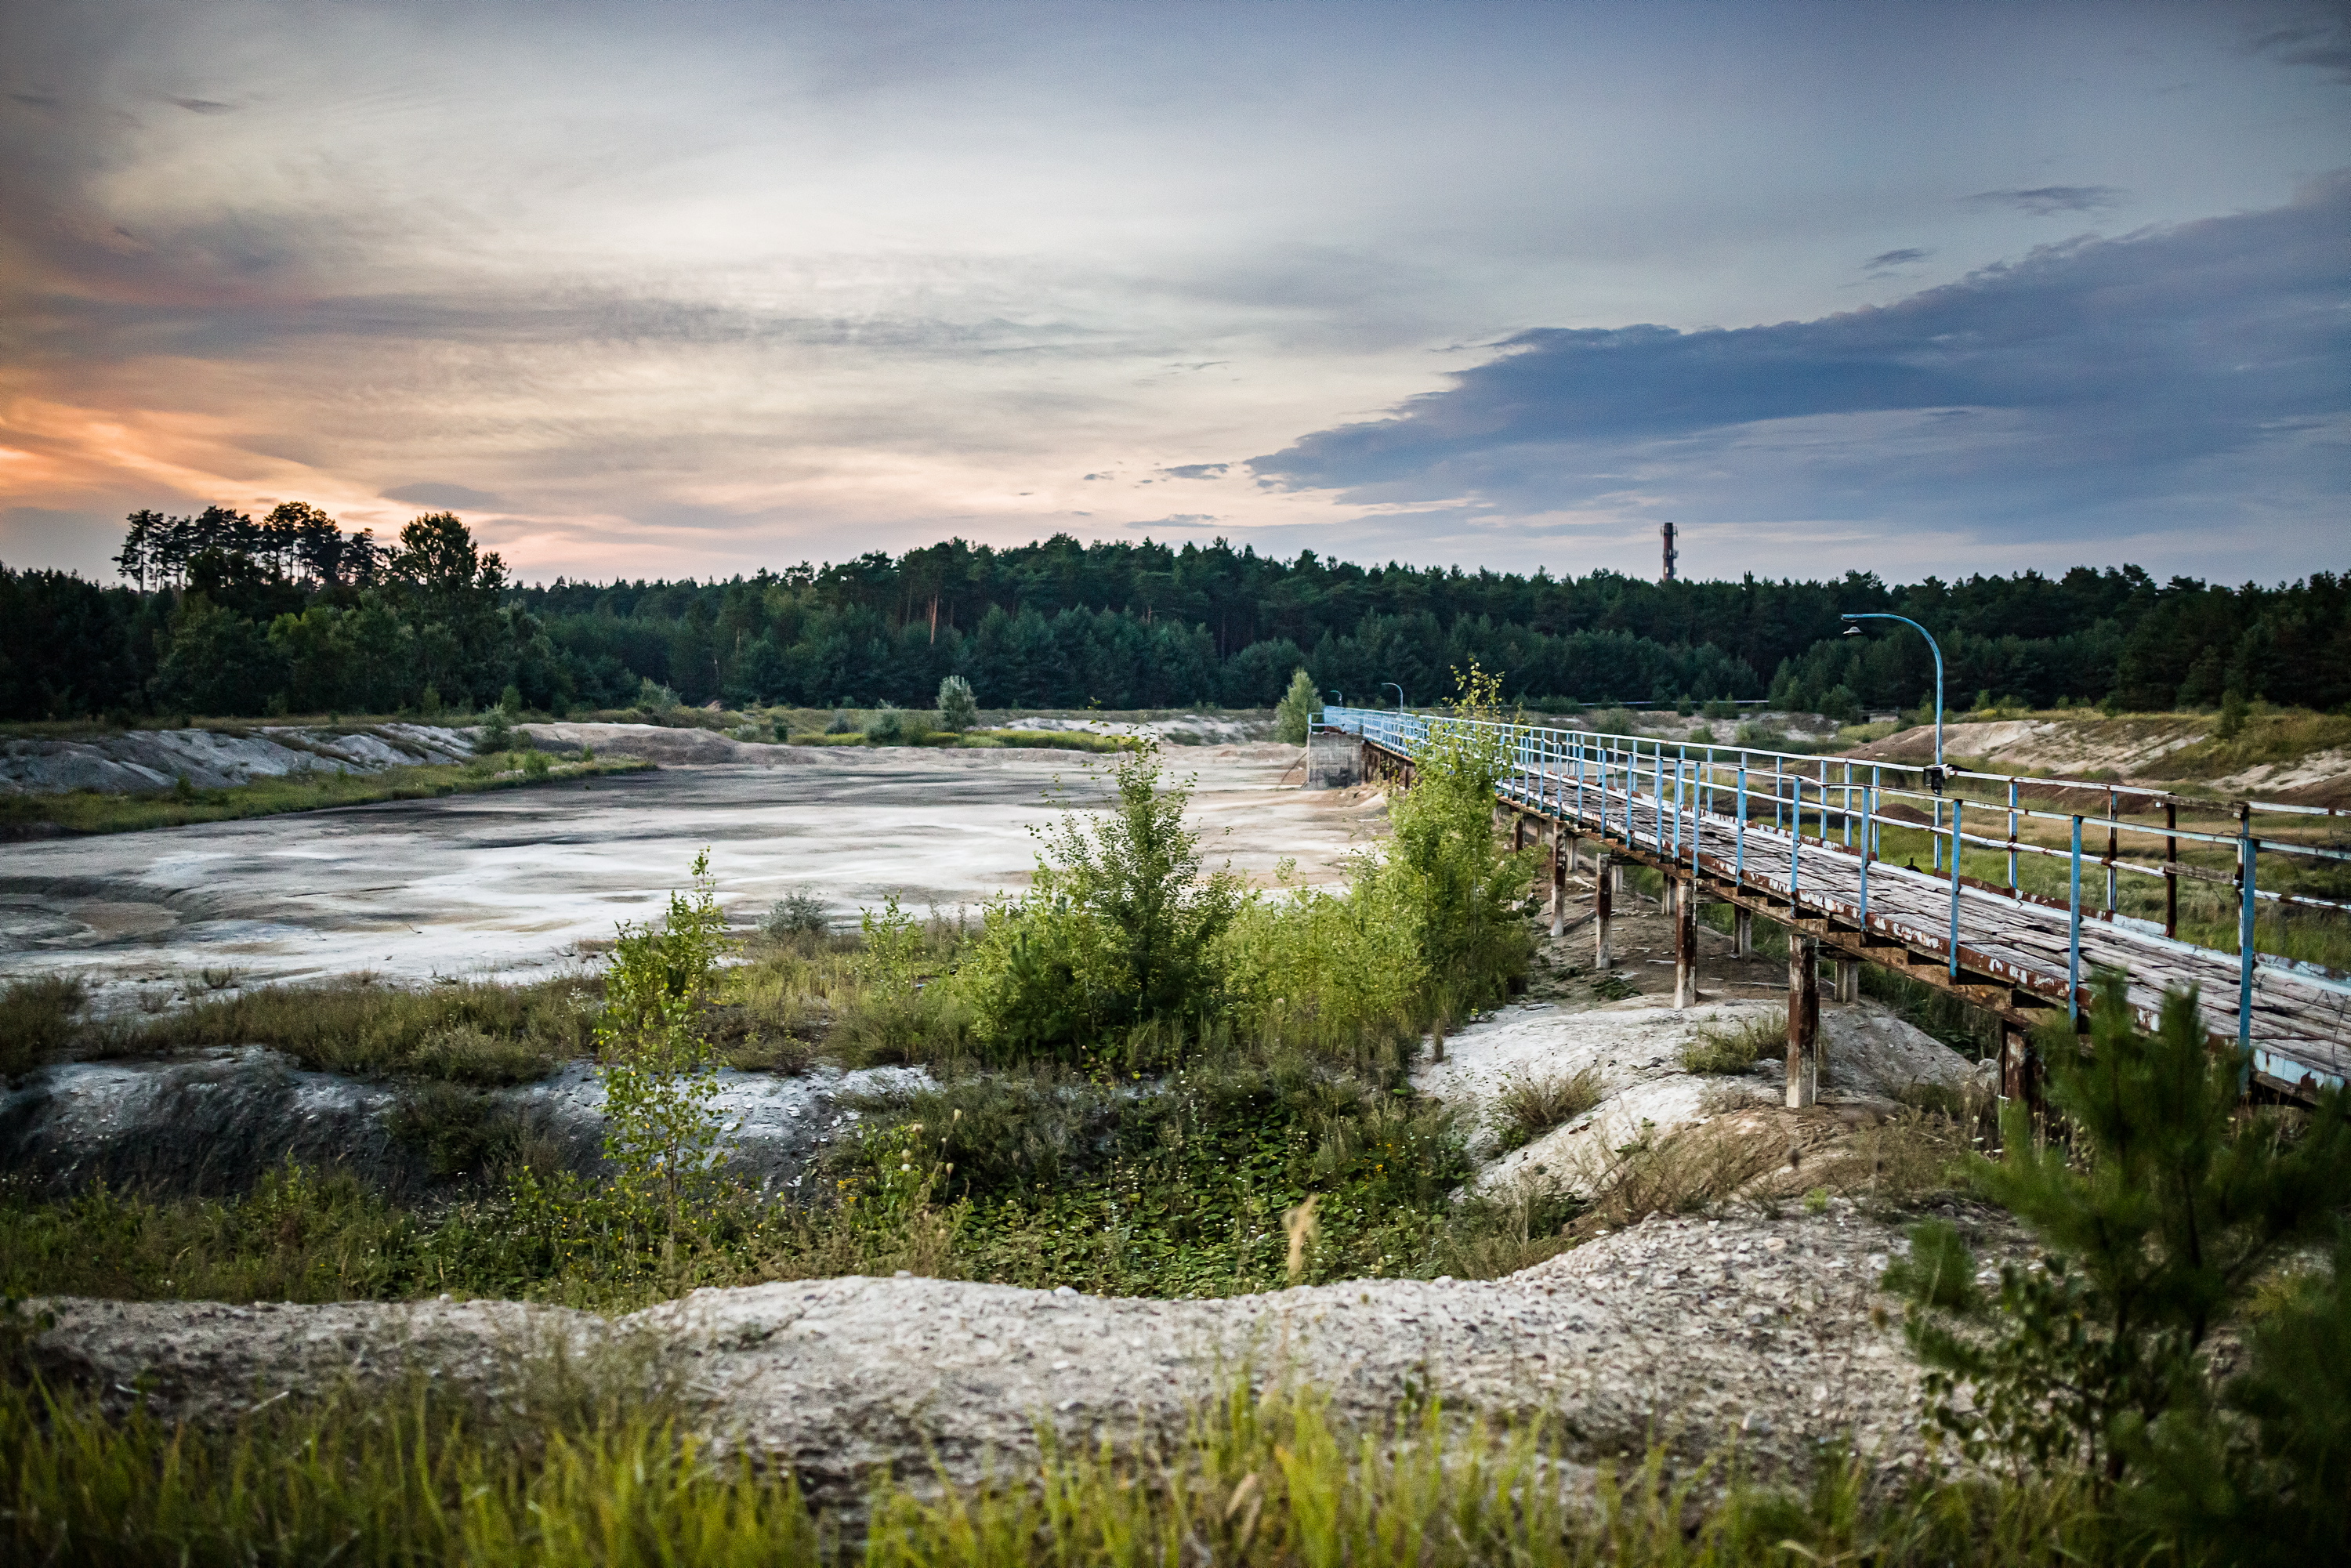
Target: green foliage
point(469, 1033)
point(1441, 863)
point(1118, 929)
point(958, 708)
point(569, 1470)
point(2158, 1226)
point(661, 1133)
point(1296, 710)
point(1528, 1107)
point(1733, 1050)
point(36, 1021)
point(564, 1474)
point(799, 913)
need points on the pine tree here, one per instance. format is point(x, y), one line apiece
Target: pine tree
point(2174, 1202)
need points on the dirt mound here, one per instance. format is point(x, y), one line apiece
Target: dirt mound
point(1695, 1333)
point(656, 743)
point(144, 760)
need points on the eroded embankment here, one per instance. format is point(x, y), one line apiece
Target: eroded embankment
point(217, 1121)
point(1760, 1333)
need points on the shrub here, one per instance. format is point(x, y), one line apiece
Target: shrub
point(842, 723)
point(888, 727)
point(661, 1133)
point(654, 697)
point(494, 734)
point(1118, 928)
point(958, 708)
point(799, 913)
point(1292, 714)
point(2156, 1226)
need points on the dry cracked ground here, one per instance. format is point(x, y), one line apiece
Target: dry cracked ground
point(1755, 1324)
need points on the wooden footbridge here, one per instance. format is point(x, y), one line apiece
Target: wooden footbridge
point(1803, 841)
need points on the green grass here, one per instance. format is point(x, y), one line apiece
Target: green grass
point(470, 1032)
point(86, 811)
point(1735, 1050)
point(568, 1474)
point(1528, 1107)
point(36, 1021)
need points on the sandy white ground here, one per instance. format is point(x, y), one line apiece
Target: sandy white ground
point(511, 884)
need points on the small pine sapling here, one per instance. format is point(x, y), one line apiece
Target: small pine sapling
point(2174, 1202)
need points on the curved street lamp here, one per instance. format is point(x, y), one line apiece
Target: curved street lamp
point(1936, 649)
point(1391, 686)
point(1340, 695)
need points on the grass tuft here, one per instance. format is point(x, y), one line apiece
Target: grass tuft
point(36, 1021)
point(1734, 1050)
point(1529, 1107)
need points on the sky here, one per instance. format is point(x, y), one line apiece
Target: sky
point(695, 289)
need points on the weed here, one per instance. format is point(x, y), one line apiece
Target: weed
point(36, 1021)
point(1528, 1107)
point(470, 1032)
point(1734, 1050)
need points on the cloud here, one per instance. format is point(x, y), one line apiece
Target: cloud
point(1887, 260)
point(2329, 47)
point(2046, 200)
point(1180, 520)
point(452, 497)
point(2202, 366)
point(1197, 471)
point(205, 105)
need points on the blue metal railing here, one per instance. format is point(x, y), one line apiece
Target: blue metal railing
point(1630, 773)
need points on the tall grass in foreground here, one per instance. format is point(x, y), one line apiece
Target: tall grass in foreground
point(406, 1478)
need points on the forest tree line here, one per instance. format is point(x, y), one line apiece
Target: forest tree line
point(220, 614)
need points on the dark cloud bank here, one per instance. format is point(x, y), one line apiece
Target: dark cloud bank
point(2079, 387)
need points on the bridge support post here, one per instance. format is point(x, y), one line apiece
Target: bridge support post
point(1804, 1020)
point(1603, 909)
point(1742, 930)
point(2020, 1073)
point(1563, 855)
point(1848, 980)
point(1685, 893)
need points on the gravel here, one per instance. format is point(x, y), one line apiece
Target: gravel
point(1768, 1333)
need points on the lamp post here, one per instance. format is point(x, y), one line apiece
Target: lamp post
point(1391, 686)
point(1937, 650)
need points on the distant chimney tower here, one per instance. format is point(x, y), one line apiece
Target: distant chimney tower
point(1672, 555)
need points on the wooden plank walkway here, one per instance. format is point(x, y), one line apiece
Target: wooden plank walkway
point(2015, 950)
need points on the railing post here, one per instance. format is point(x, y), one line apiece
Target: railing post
point(2012, 836)
point(1603, 908)
point(2115, 847)
point(1957, 805)
point(2246, 952)
point(1738, 862)
point(1796, 841)
point(1868, 821)
point(2073, 931)
point(2170, 868)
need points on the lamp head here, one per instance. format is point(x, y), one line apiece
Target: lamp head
point(1853, 630)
